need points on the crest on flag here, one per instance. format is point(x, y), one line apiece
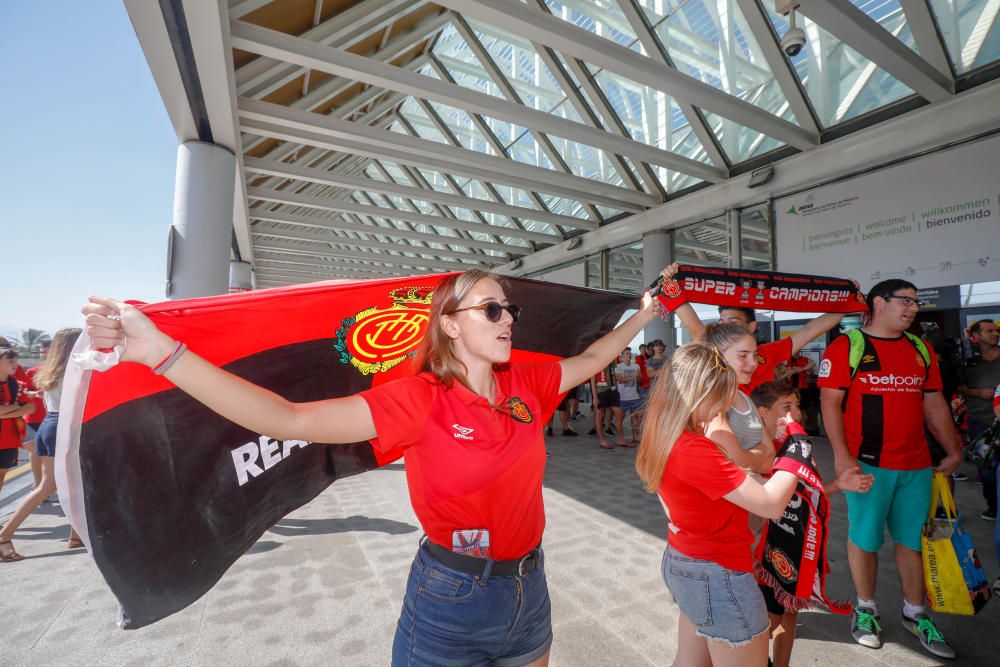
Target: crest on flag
point(378, 339)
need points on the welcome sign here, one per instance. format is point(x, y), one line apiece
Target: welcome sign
point(932, 221)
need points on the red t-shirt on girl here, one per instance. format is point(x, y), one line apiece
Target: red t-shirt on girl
point(695, 479)
point(470, 466)
point(10, 434)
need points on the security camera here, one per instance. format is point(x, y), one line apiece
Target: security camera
point(794, 39)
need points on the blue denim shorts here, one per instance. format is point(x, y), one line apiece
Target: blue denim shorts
point(631, 406)
point(724, 605)
point(451, 618)
point(45, 439)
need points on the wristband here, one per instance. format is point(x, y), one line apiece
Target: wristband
point(170, 360)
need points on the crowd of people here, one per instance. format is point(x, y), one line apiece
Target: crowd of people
point(712, 421)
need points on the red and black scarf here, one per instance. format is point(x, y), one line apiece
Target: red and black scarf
point(791, 553)
point(769, 290)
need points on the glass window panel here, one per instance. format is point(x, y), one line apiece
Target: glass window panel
point(739, 142)
point(601, 17)
point(712, 42)
point(755, 237)
point(625, 268)
point(841, 83)
point(524, 70)
point(461, 125)
point(436, 180)
point(970, 32)
point(889, 15)
point(393, 170)
point(704, 243)
point(424, 126)
point(593, 271)
point(372, 172)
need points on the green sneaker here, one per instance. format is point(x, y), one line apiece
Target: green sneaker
point(865, 628)
point(930, 637)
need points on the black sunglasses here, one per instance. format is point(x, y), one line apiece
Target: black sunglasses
point(494, 310)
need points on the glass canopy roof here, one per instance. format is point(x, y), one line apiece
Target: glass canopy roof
point(517, 125)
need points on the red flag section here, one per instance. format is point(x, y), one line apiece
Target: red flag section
point(167, 494)
point(768, 290)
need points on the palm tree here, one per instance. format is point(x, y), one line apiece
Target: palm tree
point(30, 340)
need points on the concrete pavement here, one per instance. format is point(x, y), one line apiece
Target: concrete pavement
point(324, 585)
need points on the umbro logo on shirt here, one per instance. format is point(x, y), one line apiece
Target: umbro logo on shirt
point(462, 432)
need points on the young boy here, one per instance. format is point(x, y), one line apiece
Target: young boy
point(774, 402)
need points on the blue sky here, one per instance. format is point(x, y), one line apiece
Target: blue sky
point(88, 172)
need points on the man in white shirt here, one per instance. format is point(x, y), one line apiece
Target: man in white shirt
point(627, 375)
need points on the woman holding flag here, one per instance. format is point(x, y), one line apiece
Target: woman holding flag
point(471, 427)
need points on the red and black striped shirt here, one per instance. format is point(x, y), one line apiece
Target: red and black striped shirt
point(884, 406)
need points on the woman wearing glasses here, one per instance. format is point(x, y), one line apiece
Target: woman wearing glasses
point(708, 565)
point(471, 425)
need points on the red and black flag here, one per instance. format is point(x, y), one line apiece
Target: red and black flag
point(768, 290)
point(167, 494)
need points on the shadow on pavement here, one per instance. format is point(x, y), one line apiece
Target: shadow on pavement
point(60, 532)
point(293, 527)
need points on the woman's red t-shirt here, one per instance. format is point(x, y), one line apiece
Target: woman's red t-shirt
point(704, 525)
point(471, 466)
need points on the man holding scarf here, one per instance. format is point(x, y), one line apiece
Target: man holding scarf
point(891, 392)
point(769, 355)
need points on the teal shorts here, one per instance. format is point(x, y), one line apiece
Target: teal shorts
point(899, 499)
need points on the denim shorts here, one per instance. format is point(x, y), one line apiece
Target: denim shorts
point(631, 406)
point(899, 499)
point(451, 618)
point(45, 440)
point(724, 605)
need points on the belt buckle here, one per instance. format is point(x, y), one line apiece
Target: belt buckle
point(521, 563)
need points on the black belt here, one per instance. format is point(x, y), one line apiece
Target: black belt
point(472, 565)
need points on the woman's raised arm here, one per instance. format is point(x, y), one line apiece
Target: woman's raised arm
point(576, 370)
point(338, 420)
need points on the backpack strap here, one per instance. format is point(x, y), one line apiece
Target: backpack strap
point(857, 341)
point(918, 343)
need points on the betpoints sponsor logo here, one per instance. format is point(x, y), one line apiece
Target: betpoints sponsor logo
point(891, 382)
